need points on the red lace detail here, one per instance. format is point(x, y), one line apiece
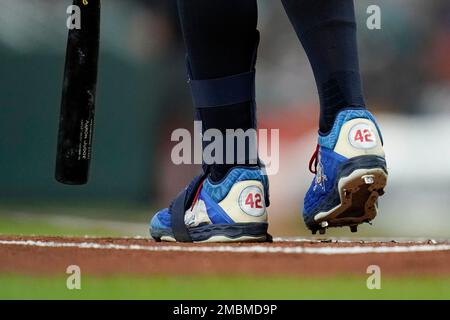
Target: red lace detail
point(313, 161)
point(197, 194)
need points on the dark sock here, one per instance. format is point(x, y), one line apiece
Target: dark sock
point(220, 38)
point(327, 31)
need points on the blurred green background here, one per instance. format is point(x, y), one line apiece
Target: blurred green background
point(242, 287)
point(143, 97)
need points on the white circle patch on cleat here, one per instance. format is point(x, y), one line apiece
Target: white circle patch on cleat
point(251, 201)
point(361, 136)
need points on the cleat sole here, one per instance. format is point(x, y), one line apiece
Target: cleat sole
point(358, 194)
point(237, 232)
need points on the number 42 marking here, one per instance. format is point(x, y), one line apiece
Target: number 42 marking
point(254, 201)
point(365, 136)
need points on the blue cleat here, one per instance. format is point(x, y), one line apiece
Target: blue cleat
point(350, 173)
point(232, 210)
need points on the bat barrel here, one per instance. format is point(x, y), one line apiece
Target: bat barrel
point(76, 125)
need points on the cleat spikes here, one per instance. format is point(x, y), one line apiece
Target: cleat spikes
point(347, 194)
point(322, 231)
point(354, 229)
point(368, 179)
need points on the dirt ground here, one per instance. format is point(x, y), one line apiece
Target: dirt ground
point(52, 255)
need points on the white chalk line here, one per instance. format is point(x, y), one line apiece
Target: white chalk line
point(233, 249)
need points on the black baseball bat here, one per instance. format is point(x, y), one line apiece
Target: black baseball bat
point(76, 124)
